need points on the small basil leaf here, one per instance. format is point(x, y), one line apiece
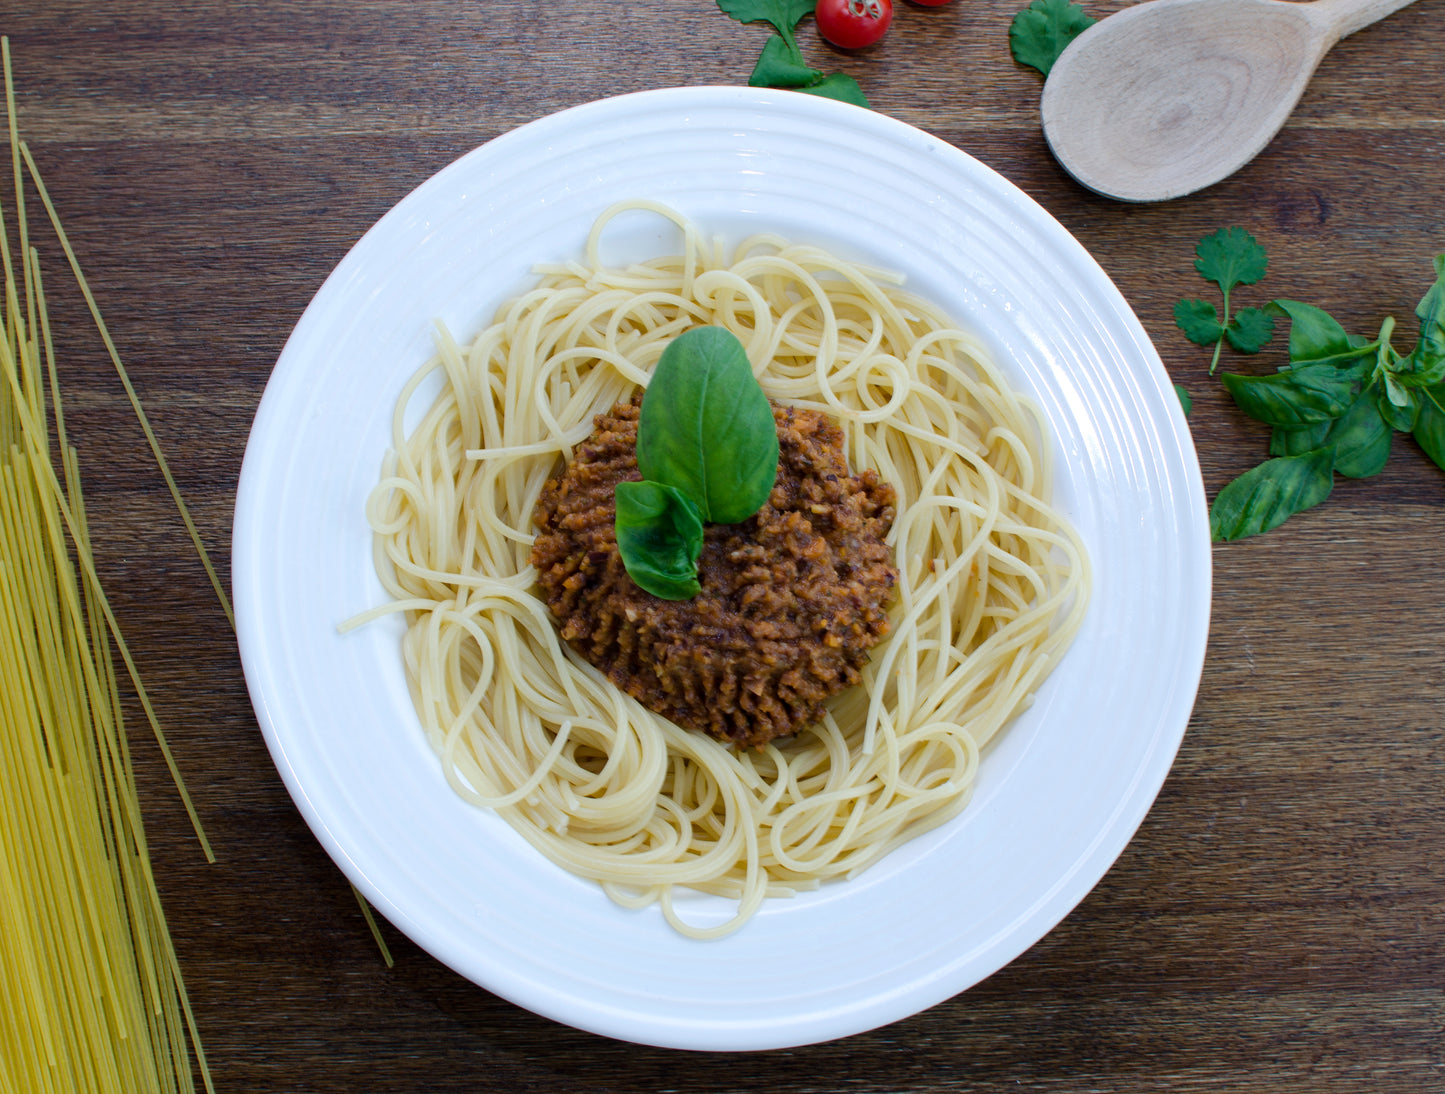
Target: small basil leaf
point(1397, 415)
point(1250, 330)
point(1420, 369)
point(1199, 321)
point(1294, 397)
point(1293, 442)
point(1361, 437)
point(1266, 496)
point(1431, 313)
point(777, 67)
point(837, 85)
point(707, 428)
point(1184, 400)
point(1429, 431)
point(659, 535)
point(1315, 337)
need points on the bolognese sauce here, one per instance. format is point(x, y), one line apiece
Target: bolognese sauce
point(792, 598)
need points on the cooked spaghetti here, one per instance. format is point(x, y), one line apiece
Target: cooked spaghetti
point(992, 581)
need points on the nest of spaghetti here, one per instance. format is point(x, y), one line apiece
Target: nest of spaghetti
point(991, 581)
point(792, 598)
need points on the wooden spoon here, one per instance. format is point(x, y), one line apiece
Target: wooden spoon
point(1170, 96)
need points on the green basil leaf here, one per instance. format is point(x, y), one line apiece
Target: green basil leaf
point(777, 67)
point(1184, 400)
point(1420, 369)
point(659, 535)
point(1431, 313)
point(1230, 257)
point(1044, 29)
point(1398, 405)
point(837, 85)
point(1266, 496)
point(1250, 330)
point(1294, 397)
point(1429, 431)
point(1294, 442)
point(1315, 337)
point(707, 428)
point(781, 15)
point(1361, 437)
point(1199, 321)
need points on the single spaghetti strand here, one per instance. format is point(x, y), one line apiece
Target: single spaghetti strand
point(130, 391)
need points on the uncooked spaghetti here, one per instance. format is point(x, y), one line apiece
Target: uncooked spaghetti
point(992, 581)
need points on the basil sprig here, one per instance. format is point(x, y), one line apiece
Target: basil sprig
point(659, 533)
point(707, 447)
point(1334, 409)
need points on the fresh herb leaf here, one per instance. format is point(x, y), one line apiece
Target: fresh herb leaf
point(778, 67)
point(1431, 313)
point(840, 86)
point(781, 62)
point(781, 15)
point(1335, 407)
point(707, 428)
point(1044, 29)
point(1399, 406)
point(1426, 366)
point(1265, 496)
point(1293, 442)
point(1199, 320)
point(1316, 337)
point(1429, 431)
point(659, 535)
point(1361, 437)
point(1230, 257)
point(1250, 330)
point(1295, 397)
point(1184, 400)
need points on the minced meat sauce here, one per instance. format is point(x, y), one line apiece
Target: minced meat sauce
point(792, 598)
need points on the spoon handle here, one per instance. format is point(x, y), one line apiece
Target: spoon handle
point(1344, 17)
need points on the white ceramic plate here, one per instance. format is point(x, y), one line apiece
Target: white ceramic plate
point(1059, 796)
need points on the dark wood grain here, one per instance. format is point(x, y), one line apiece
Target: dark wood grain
point(1277, 923)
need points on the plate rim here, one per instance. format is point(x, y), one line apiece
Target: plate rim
point(247, 514)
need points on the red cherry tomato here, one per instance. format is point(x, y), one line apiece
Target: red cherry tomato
point(853, 24)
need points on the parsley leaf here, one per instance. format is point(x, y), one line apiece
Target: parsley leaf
point(781, 63)
point(1199, 320)
point(781, 15)
point(1250, 330)
point(1044, 29)
point(840, 86)
point(1229, 257)
point(777, 67)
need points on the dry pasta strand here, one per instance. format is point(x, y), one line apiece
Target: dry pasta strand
point(91, 992)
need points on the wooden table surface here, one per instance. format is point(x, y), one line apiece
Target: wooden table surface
point(1275, 925)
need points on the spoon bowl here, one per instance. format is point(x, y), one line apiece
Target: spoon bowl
point(1170, 96)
